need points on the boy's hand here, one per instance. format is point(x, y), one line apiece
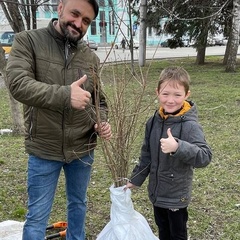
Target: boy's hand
point(169, 145)
point(129, 185)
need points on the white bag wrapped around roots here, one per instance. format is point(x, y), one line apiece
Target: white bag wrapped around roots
point(125, 223)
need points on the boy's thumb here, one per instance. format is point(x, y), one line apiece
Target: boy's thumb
point(169, 133)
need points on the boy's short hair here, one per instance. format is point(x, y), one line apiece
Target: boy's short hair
point(175, 75)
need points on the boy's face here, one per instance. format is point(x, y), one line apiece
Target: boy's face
point(75, 16)
point(171, 97)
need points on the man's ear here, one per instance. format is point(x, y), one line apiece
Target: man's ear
point(59, 8)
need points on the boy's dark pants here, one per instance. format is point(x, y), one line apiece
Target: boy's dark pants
point(172, 225)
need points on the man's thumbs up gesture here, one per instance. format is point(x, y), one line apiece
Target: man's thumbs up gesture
point(169, 145)
point(79, 97)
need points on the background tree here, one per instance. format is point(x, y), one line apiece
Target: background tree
point(129, 9)
point(18, 12)
point(194, 19)
point(234, 36)
point(15, 106)
point(12, 12)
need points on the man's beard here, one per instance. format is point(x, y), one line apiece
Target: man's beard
point(69, 36)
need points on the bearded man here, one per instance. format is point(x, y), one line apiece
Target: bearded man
point(56, 77)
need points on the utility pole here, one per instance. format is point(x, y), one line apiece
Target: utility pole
point(142, 33)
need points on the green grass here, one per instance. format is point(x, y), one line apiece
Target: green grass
point(214, 213)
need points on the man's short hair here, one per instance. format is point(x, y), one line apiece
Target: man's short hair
point(95, 6)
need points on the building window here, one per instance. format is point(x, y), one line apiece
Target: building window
point(111, 23)
point(149, 31)
point(122, 3)
point(51, 6)
point(93, 28)
point(54, 5)
point(102, 16)
point(46, 8)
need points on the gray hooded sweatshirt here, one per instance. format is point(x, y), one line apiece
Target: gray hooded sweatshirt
point(171, 175)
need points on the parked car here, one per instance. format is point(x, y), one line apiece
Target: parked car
point(6, 39)
point(219, 41)
point(175, 43)
point(211, 42)
point(186, 42)
point(135, 44)
point(225, 41)
point(91, 44)
point(164, 43)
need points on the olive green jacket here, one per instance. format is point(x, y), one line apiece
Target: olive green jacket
point(39, 76)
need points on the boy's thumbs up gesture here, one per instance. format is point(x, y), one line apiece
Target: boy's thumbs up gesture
point(169, 145)
point(79, 97)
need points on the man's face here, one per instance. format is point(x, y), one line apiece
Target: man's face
point(75, 16)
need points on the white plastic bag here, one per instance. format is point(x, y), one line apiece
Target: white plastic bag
point(125, 222)
point(11, 230)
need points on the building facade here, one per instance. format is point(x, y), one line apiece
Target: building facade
point(112, 23)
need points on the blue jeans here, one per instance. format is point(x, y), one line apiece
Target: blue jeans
point(42, 182)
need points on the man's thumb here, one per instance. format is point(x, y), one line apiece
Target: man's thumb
point(169, 132)
point(81, 80)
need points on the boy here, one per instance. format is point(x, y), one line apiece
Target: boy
point(173, 146)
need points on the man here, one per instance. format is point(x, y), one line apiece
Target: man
point(55, 75)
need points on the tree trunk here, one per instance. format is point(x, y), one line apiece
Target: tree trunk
point(131, 36)
point(17, 116)
point(226, 55)
point(142, 46)
point(13, 15)
point(202, 43)
point(16, 107)
point(227, 51)
point(201, 52)
point(233, 48)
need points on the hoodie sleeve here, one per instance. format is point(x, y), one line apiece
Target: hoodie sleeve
point(194, 150)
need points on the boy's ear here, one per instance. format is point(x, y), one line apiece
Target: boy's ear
point(188, 94)
point(156, 91)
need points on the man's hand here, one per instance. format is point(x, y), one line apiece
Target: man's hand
point(79, 97)
point(169, 145)
point(104, 130)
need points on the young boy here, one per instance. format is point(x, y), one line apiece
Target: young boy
point(173, 146)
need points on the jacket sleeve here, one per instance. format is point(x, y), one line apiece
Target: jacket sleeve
point(195, 150)
point(22, 83)
point(142, 169)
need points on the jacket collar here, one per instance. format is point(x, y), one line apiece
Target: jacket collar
point(185, 108)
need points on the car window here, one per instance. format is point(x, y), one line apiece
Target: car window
point(6, 38)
